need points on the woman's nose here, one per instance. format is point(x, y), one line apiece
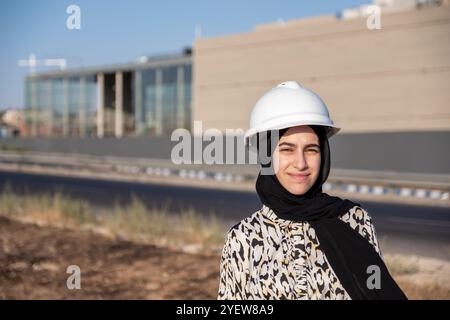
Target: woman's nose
point(300, 161)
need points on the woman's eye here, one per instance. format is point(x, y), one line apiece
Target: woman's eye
point(286, 150)
point(313, 150)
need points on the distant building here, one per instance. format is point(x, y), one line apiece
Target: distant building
point(148, 97)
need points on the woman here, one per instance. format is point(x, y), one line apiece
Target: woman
point(302, 243)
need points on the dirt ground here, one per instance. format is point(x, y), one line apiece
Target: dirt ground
point(34, 260)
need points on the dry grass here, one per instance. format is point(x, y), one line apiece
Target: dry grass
point(421, 278)
point(189, 231)
point(399, 265)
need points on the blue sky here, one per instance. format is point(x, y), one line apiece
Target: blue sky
point(120, 31)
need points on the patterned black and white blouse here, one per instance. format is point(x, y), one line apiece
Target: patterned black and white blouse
point(265, 257)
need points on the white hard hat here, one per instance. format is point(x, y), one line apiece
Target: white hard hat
point(288, 105)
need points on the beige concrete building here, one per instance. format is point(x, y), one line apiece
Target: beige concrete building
point(392, 79)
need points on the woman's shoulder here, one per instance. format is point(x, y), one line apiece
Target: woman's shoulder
point(249, 234)
point(249, 223)
point(356, 215)
point(239, 238)
point(253, 226)
point(361, 221)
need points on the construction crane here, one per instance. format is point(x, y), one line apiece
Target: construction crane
point(32, 63)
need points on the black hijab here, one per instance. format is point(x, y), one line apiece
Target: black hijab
point(347, 251)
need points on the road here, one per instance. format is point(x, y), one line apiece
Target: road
point(401, 228)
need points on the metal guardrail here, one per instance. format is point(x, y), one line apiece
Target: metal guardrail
point(409, 185)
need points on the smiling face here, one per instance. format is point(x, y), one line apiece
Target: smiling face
point(297, 159)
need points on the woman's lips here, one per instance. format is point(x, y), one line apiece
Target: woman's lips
point(298, 177)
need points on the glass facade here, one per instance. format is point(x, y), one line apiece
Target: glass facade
point(28, 116)
point(57, 106)
point(61, 106)
point(41, 112)
point(166, 99)
point(156, 99)
point(91, 105)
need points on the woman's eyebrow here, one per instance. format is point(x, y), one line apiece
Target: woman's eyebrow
point(288, 144)
point(293, 145)
point(312, 145)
